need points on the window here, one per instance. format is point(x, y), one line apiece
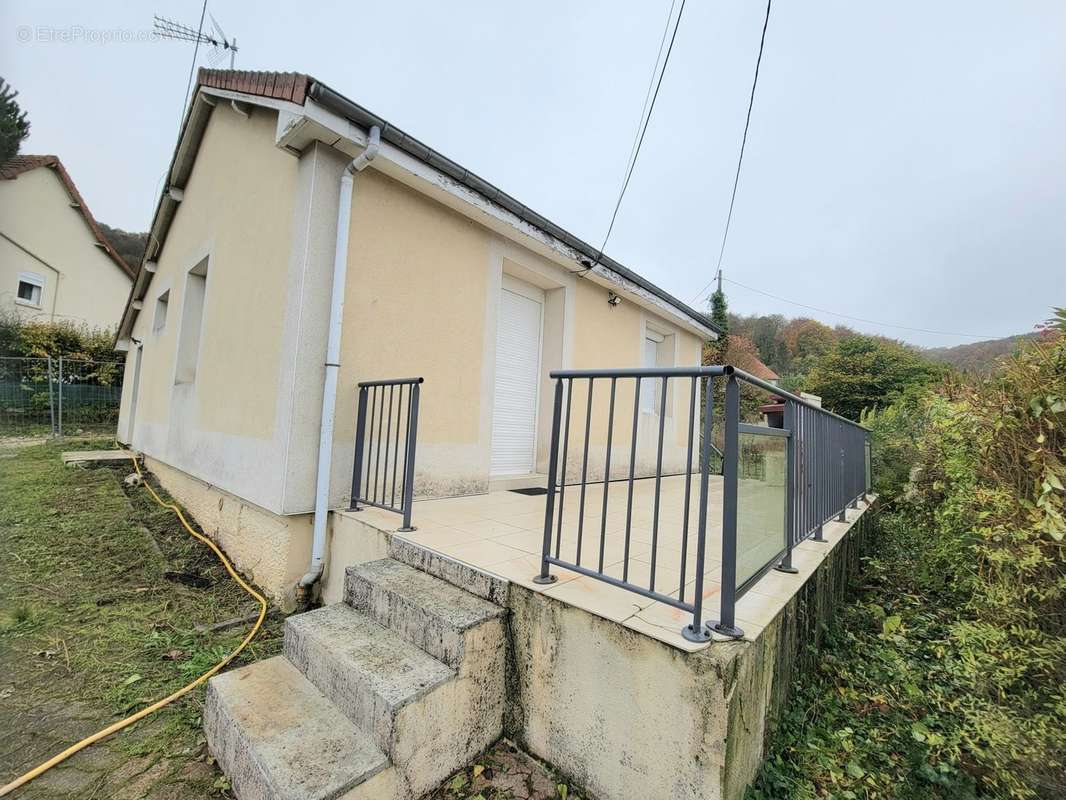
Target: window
point(161, 304)
point(192, 318)
point(30, 290)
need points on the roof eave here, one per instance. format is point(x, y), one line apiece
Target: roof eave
point(364, 118)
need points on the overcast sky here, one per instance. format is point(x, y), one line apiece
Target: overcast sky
point(906, 162)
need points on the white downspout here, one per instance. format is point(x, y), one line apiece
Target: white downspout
point(333, 354)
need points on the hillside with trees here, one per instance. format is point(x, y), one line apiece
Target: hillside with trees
point(978, 357)
point(848, 370)
point(130, 246)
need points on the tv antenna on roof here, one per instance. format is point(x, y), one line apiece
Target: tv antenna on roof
point(219, 43)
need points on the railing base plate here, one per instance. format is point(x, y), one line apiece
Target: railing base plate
point(544, 580)
point(407, 530)
point(355, 508)
point(702, 635)
point(787, 570)
point(726, 630)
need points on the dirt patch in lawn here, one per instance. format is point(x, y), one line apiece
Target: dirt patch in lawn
point(100, 597)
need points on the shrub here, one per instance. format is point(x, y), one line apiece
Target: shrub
point(41, 339)
point(948, 679)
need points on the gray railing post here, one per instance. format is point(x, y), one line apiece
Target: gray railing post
point(821, 449)
point(360, 436)
point(790, 489)
point(867, 467)
point(726, 625)
point(696, 632)
point(549, 501)
point(409, 462)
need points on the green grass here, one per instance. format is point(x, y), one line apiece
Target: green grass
point(88, 619)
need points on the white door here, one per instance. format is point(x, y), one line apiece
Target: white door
point(514, 409)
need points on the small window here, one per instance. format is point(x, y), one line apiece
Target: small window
point(192, 320)
point(161, 305)
point(30, 289)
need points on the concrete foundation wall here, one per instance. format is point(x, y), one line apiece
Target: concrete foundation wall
point(349, 542)
point(273, 549)
point(625, 716)
point(629, 717)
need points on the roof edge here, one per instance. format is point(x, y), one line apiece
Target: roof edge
point(296, 87)
point(339, 104)
point(25, 163)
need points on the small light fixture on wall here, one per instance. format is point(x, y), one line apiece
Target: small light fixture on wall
point(613, 299)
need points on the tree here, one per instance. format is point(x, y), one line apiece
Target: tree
point(720, 313)
point(14, 127)
point(766, 333)
point(716, 350)
point(807, 337)
point(861, 372)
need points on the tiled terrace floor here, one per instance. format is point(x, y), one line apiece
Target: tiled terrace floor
point(502, 533)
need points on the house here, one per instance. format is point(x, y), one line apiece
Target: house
point(324, 298)
point(760, 370)
point(55, 263)
point(444, 277)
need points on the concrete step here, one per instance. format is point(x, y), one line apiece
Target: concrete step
point(441, 619)
point(428, 720)
point(367, 671)
point(278, 738)
point(476, 581)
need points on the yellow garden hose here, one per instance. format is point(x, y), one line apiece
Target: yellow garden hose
point(144, 712)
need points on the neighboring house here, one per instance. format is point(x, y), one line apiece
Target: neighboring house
point(55, 263)
point(444, 277)
point(760, 370)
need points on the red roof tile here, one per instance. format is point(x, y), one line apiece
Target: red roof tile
point(760, 370)
point(290, 86)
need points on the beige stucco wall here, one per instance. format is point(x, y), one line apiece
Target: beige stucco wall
point(81, 283)
point(415, 305)
point(223, 427)
point(608, 336)
point(421, 300)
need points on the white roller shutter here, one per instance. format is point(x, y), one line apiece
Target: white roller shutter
point(514, 410)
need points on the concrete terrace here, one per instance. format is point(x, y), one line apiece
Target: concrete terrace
point(501, 533)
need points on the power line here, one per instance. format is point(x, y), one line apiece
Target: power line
point(651, 83)
point(856, 319)
point(744, 139)
point(740, 159)
point(644, 125)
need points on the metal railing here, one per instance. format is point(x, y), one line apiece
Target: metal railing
point(778, 486)
point(378, 477)
point(52, 396)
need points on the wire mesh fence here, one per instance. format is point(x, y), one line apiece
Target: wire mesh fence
point(42, 397)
